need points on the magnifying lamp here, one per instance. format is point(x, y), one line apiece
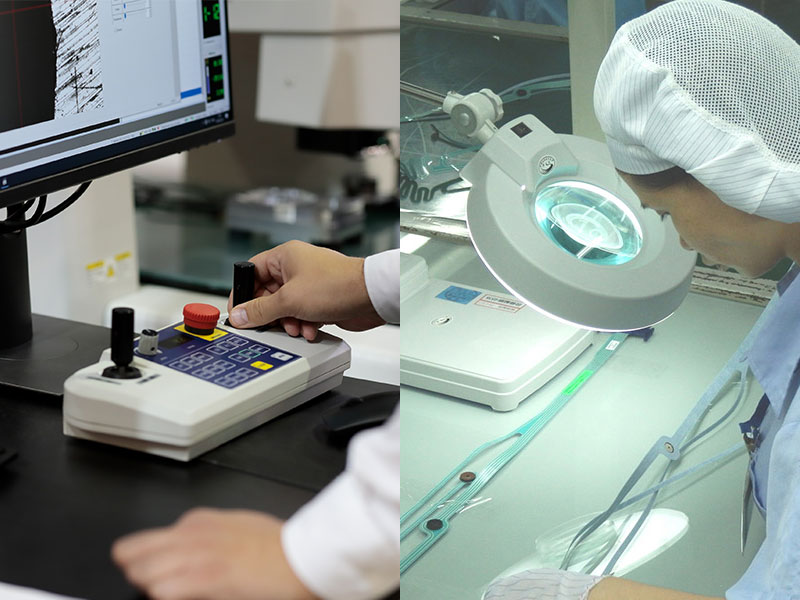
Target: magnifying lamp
point(556, 225)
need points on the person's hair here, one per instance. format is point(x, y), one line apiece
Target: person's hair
point(662, 179)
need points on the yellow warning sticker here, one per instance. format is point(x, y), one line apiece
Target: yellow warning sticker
point(218, 333)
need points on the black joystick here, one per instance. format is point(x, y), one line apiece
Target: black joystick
point(244, 283)
point(122, 346)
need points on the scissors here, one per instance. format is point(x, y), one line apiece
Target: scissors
point(747, 500)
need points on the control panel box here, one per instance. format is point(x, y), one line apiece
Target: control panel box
point(194, 391)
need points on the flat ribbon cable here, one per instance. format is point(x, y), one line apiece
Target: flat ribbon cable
point(434, 522)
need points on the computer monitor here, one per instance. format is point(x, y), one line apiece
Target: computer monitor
point(92, 87)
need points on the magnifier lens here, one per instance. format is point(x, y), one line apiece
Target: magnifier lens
point(588, 222)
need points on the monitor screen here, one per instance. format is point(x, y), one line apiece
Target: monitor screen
point(95, 86)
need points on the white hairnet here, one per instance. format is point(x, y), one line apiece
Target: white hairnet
point(713, 88)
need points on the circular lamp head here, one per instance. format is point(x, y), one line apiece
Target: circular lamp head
point(588, 222)
point(577, 244)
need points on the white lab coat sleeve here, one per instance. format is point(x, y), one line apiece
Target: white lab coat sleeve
point(345, 543)
point(382, 276)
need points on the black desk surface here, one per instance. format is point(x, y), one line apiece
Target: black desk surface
point(63, 501)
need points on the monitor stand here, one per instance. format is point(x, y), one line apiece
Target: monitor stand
point(37, 352)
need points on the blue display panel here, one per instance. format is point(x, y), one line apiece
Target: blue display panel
point(222, 358)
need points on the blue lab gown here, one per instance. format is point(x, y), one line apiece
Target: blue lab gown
point(775, 466)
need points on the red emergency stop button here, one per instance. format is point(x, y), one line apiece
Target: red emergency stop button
point(200, 318)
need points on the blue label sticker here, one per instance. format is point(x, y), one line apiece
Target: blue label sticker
point(458, 294)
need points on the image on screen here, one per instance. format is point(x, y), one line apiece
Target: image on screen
point(51, 59)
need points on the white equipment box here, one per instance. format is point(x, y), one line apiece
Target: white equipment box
point(476, 344)
point(199, 391)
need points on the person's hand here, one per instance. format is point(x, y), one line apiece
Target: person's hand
point(552, 584)
point(305, 287)
point(211, 555)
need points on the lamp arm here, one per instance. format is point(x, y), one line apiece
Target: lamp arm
point(475, 114)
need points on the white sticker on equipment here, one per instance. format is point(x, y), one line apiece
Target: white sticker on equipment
point(504, 303)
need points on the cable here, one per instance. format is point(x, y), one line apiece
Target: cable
point(66, 203)
point(16, 214)
point(434, 522)
point(19, 209)
point(438, 136)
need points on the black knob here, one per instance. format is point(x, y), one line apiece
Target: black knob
point(244, 282)
point(122, 345)
point(122, 336)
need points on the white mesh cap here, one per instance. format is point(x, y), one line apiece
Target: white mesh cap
point(713, 88)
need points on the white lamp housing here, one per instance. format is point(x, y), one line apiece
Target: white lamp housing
point(558, 227)
point(328, 64)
